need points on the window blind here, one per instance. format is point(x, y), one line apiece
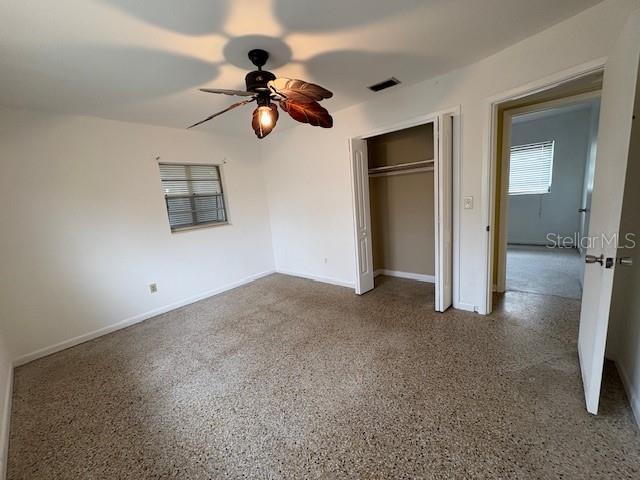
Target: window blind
point(531, 168)
point(193, 194)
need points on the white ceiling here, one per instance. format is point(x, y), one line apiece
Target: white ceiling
point(143, 61)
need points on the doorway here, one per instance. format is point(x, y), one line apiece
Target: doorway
point(547, 164)
point(403, 204)
point(401, 199)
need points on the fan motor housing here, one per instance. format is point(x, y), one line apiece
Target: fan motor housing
point(256, 81)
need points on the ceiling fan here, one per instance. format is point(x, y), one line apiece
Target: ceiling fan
point(296, 97)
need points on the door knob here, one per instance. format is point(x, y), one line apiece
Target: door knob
point(625, 261)
point(594, 259)
point(582, 210)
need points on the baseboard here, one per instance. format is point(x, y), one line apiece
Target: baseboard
point(548, 245)
point(6, 426)
point(468, 307)
point(411, 276)
point(498, 289)
point(317, 278)
point(43, 352)
point(632, 394)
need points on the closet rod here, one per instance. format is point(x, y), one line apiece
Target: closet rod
point(401, 166)
point(401, 172)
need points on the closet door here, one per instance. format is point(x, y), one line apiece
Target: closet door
point(361, 215)
point(443, 202)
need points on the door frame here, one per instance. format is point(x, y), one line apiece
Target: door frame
point(454, 113)
point(490, 149)
point(503, 214)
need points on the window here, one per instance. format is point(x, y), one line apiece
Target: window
point(193, 195)
point(530, 168)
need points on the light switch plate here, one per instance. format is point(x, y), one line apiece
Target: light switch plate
point(468, 203)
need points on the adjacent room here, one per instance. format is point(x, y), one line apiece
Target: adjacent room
point(293, 239)
point(550, 175)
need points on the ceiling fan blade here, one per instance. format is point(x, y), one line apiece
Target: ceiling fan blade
point(298, 90)
point(262, 128)
point(231, 107)
point(307, 112)
point(240, 93)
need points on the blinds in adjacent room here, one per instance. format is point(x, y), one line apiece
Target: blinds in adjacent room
point(193, 194)
point(530, 168)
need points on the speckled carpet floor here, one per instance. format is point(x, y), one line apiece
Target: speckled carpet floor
point(548, 271)
point(288, 378)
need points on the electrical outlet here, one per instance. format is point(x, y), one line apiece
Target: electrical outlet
point(153, 287)
point(468, 203)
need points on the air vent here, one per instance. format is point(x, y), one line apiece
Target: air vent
point(384, 84)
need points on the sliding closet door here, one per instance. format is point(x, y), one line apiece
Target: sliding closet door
point(361, 215)
point(443, 186)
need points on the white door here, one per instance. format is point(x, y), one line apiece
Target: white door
point(443, 178)
point(361, 215)
point(618, 93)
point(624, 330)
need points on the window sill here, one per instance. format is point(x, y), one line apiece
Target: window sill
point(523, 194)
point(199, 227)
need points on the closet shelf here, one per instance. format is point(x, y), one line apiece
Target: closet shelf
point(404, 167)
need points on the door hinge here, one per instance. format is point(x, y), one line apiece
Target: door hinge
point(488, 229)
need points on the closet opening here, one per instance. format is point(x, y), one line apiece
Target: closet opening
point(402, 185)
point(401, 199)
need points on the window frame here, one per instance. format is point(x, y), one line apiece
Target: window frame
point(551, 165)
point(223, 194)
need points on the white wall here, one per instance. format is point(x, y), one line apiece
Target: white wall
point(532, 217)
point(85, 230)
point(308, 174)
point(402, 223)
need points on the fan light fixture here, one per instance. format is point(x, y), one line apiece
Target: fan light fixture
point(296, 97)
point(266, 119)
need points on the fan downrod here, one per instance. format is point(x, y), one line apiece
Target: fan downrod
point(258, 57)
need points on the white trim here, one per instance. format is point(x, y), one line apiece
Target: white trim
point(6, 425)
point(469, 307)
point(317, 278)
point(420, 277)
point(43, 352)
point(412, 122)
point(456, 225)
point(489, 156)
point(632, 395)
